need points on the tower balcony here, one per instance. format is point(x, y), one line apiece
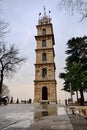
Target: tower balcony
point(45, 63)
point(45, 80)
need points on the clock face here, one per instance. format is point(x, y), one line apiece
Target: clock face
point(44, 22)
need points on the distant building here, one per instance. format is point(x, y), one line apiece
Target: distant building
point(45, 83)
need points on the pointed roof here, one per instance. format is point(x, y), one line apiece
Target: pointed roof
point(44, 19)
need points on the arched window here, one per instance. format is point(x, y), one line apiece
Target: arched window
point(44, 73)
point(44, 43)
point(44, 32)
point(44, 57)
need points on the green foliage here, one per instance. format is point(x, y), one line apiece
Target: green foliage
point(76, 65)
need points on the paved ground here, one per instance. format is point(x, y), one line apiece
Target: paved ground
point(78, 117)
point(55, 122)
point(78, 122)
point(40, 117)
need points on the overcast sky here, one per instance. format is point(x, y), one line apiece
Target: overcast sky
point(22, 16)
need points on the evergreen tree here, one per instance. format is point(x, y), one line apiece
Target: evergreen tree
point(76, 66)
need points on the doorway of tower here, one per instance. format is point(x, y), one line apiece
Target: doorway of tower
point(44, 93)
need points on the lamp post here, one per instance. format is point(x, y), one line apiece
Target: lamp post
point(71, 92)
point(82, 83)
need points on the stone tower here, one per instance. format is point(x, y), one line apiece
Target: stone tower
point(45, 83)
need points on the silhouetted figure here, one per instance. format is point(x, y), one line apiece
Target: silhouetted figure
point(11, 100)
point(29, 101)
point(17, 101)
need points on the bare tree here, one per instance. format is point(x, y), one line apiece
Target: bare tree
point(9, 55)
point(5, 91)
point(3, 25)
point(3, 29)
point(9, 62)
point(73, 6)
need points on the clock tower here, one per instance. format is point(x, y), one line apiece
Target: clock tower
point(45, 82)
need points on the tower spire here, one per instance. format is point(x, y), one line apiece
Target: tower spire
point(45, 19)
point(44, 11)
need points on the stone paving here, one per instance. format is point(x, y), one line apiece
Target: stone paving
point(57, 122)
point(78, 117)
point(78, 122)
point(53, 123)
point(37, 117)
point(16, 116)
